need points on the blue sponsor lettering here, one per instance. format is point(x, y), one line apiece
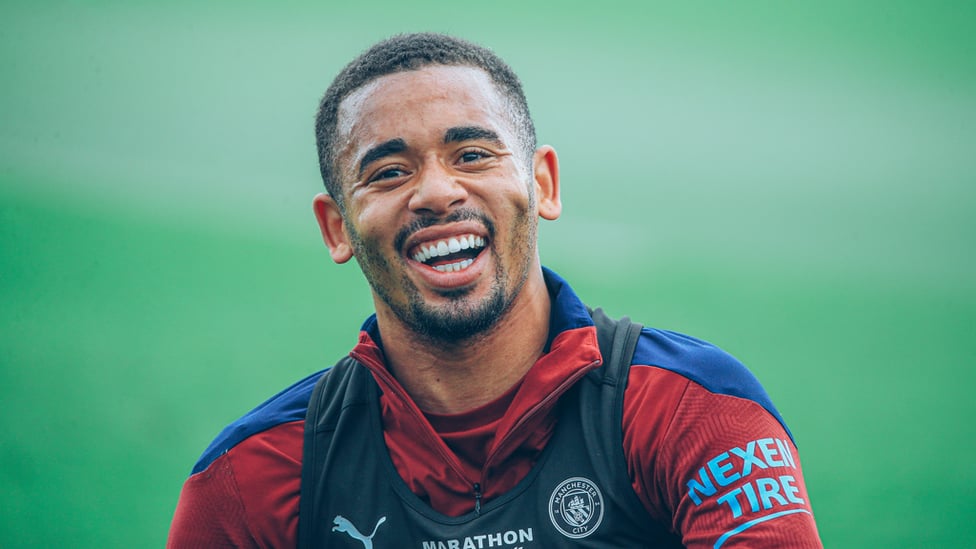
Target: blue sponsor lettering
point(787, 482)
point(770, 453)
point(727, 478)
point(705, 487)
point(730, 499)
point(751, 497)
point(786, 452)
point(761, 494)
point(769, 489)
point(749, 458)
point(719, 469)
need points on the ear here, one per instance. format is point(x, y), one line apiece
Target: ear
point(333, 230)
point(547, 182)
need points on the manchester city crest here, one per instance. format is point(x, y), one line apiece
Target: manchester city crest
point(576, 507)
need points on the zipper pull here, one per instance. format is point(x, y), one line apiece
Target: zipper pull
point(477, 499)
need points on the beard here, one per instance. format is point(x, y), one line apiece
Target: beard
point(464, 317)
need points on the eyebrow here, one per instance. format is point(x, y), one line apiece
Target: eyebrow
point(386, 148)
point(465, 133)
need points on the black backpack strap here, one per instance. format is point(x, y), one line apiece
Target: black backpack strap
point(305, 500)
point(602, 406)
point(618, 339)
point(328, 397)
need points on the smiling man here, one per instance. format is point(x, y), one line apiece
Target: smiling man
point(484, 405)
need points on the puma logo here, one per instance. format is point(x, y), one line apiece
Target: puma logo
point(342, 524)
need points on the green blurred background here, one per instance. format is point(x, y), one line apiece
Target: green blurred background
point(795, 184)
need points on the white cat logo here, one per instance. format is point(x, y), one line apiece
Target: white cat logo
point(342, 524)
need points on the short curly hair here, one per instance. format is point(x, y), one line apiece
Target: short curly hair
point(408, 52)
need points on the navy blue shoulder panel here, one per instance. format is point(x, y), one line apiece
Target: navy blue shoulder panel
point(288, 405)
point(703, 363)
point(567, 312)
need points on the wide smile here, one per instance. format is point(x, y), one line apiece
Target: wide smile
point(450, 254)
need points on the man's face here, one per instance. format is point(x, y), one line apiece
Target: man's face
point(439, 206)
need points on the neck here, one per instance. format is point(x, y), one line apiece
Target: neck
point(456, 376)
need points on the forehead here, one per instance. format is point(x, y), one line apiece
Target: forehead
point(419, 104)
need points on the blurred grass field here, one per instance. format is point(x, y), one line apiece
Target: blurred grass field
point(796, 186)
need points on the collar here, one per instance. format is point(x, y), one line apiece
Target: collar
point(573, 352)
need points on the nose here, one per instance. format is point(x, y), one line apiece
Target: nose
point(436, 191)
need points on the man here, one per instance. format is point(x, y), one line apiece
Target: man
point(481, 406)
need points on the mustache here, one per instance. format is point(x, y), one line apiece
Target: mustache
point(463, 214)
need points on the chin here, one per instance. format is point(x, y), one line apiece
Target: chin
point(453, 322)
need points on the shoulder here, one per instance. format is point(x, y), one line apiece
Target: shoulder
point(287, 406)
point(244, 489)
point(707, 451)
point(670, 358)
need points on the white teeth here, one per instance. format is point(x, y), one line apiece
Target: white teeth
point(452, 245)
point(454, 267)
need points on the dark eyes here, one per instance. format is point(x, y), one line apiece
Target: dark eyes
point(468, 157)
point(391, 173)
point(471, 156)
